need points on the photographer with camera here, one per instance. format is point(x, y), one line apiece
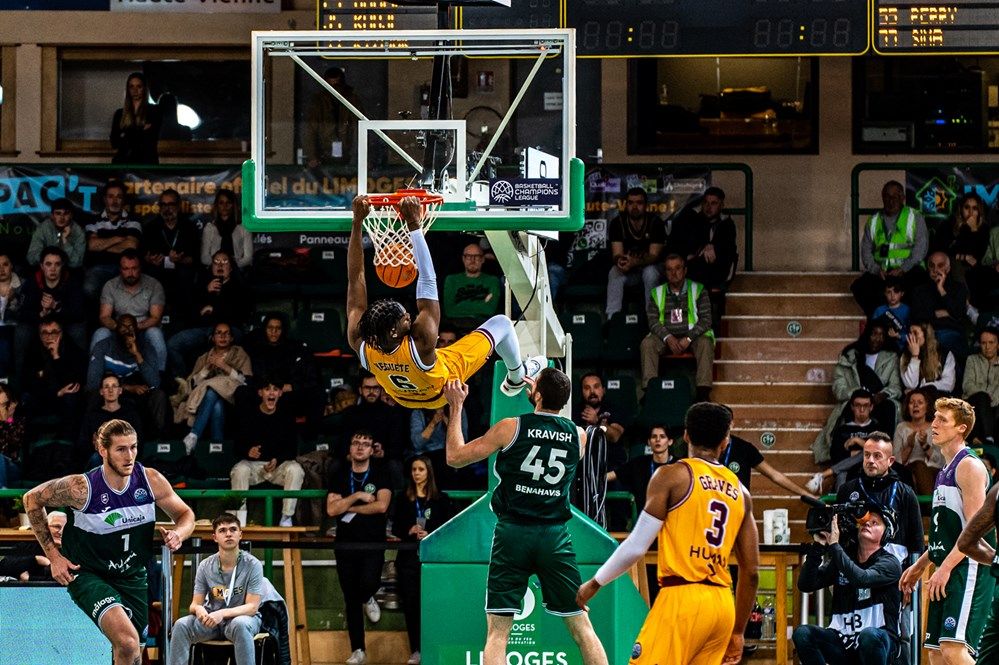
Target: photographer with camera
point(866, 600)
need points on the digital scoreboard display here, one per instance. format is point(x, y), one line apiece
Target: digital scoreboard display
point(952, 27)
point(371, 15)
point(718, 27)
point(519, 15)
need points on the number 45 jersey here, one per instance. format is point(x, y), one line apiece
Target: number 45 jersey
point(112, 536)
point(697, 537)
point(536, 470)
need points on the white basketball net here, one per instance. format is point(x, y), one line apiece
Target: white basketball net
point(389, 232)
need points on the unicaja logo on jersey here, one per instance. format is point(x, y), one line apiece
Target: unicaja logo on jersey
point(501, 191)
point(112, 518)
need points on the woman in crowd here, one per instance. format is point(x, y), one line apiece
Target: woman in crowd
point(914, 448)
point(226, 232)
point(921, 365)
point(135, 127)
point(11, 302)
point(216, 376)
point(419, 510)
point(964, 238)
point(428, 433)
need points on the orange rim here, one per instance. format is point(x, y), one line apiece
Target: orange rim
point(394, 199)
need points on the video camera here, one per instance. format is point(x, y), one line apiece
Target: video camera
point(820, 517)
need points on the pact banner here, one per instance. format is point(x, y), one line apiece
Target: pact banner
point(937, 189)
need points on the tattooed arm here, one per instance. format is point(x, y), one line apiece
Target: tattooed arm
point(69, 491)
point(971, 541)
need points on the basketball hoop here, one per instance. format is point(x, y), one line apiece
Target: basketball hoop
point(388, 230)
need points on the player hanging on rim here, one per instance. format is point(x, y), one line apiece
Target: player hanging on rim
point(109, 536)
point(401, 351)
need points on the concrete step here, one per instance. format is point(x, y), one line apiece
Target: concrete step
point(796, 510)
point(772, 393)
point(824, 351)
point(793, 282)
point(801, 371)
point(763, 486)
point(777, 326)
point(788, 442)
point(791, 304)
point(772, 417)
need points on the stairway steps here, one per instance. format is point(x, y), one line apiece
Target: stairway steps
point(791, 304)
point(771, 393)
point(771, 416)
point(788, 371)
point(786, 441)
point(793, 282)
point(770, 350)
point(813, 326)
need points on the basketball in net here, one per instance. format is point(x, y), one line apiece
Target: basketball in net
point(389, 234)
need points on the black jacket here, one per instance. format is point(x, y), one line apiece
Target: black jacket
point(889, 490)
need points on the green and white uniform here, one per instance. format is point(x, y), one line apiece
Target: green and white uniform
point(960, 617)
point(536, 471)
point(111, 539)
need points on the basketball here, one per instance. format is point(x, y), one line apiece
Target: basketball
point(396, 276)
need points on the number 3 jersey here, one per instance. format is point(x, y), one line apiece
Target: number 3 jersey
point(112, 536)
point(536, 470)
point(697, 537)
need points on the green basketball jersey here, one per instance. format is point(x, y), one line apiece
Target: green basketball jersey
point(947, 518)
point(112, 535)
point(536, 470)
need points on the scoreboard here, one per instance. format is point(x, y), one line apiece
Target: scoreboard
point(951, 27)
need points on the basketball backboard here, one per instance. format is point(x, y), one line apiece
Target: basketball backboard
point(484, 117)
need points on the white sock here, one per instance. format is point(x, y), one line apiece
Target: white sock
point(285, 520)
point(500, 330)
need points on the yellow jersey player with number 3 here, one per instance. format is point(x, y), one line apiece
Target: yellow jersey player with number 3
point(701, 514)
point(401, 352)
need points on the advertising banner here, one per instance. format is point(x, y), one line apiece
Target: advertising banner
point(936, 190)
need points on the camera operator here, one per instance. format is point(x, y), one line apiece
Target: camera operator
point(866, 600)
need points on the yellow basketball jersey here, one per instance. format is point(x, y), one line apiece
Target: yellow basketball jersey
point(404, 376)
point(697, 537)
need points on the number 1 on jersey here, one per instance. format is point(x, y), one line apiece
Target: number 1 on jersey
point(716, 534)
point(124, 538)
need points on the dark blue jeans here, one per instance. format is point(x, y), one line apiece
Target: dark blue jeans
point(819, 646)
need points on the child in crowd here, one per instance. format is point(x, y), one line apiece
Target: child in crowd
point(894, 313)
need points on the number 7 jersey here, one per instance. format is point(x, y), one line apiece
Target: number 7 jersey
point(536, 470)
point(696, 539)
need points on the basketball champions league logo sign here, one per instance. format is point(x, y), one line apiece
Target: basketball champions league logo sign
point(524, 192)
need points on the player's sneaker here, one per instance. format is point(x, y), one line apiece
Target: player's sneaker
point(373, 611)
point(357, 658)
point(532, 367)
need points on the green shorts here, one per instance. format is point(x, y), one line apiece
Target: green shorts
point(988, 645)
point(95, 596)
point(521, 550)
point(960, 617)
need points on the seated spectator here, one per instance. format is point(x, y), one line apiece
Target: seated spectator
point(55, 367)
point(634, 475)
point(868, 364)
point(27, 561)
point(446, 335)
point(216, 376)
point(913, 441)
point(847, 442)
point(964, 238)
point(107, 237)
point(220, 296)
point(140, 296)
point(992, 466)
point(595, 411)
point(225, 232)
point(359, 497)
point(12, 438)
point(171, 245)
point(52, 291)
point(417, 512)
point(110, 407)
point(707, 240)
point(226, 603)
point(11, 305)
point(121, 356)
point(981, 385)
point(636, 238)
point(865, 585)
point(266, 447)
point(679, 314)
point(943, 303)
point(893, 244)
point(894, 312)
point(921, 363)
point(472, 296)
point(135, 127)
point(60, 231)
point(428, 433)
point(273, 353)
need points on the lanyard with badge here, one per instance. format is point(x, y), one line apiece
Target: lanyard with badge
point(421, 519)
point(348, 516)
point(227, 594)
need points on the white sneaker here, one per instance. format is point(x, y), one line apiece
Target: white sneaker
point(285, 521)
point(357, 658)
point(414, 658)
point(814, 485)
point(532, 367)
point(374, 613)
point(190, 441)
